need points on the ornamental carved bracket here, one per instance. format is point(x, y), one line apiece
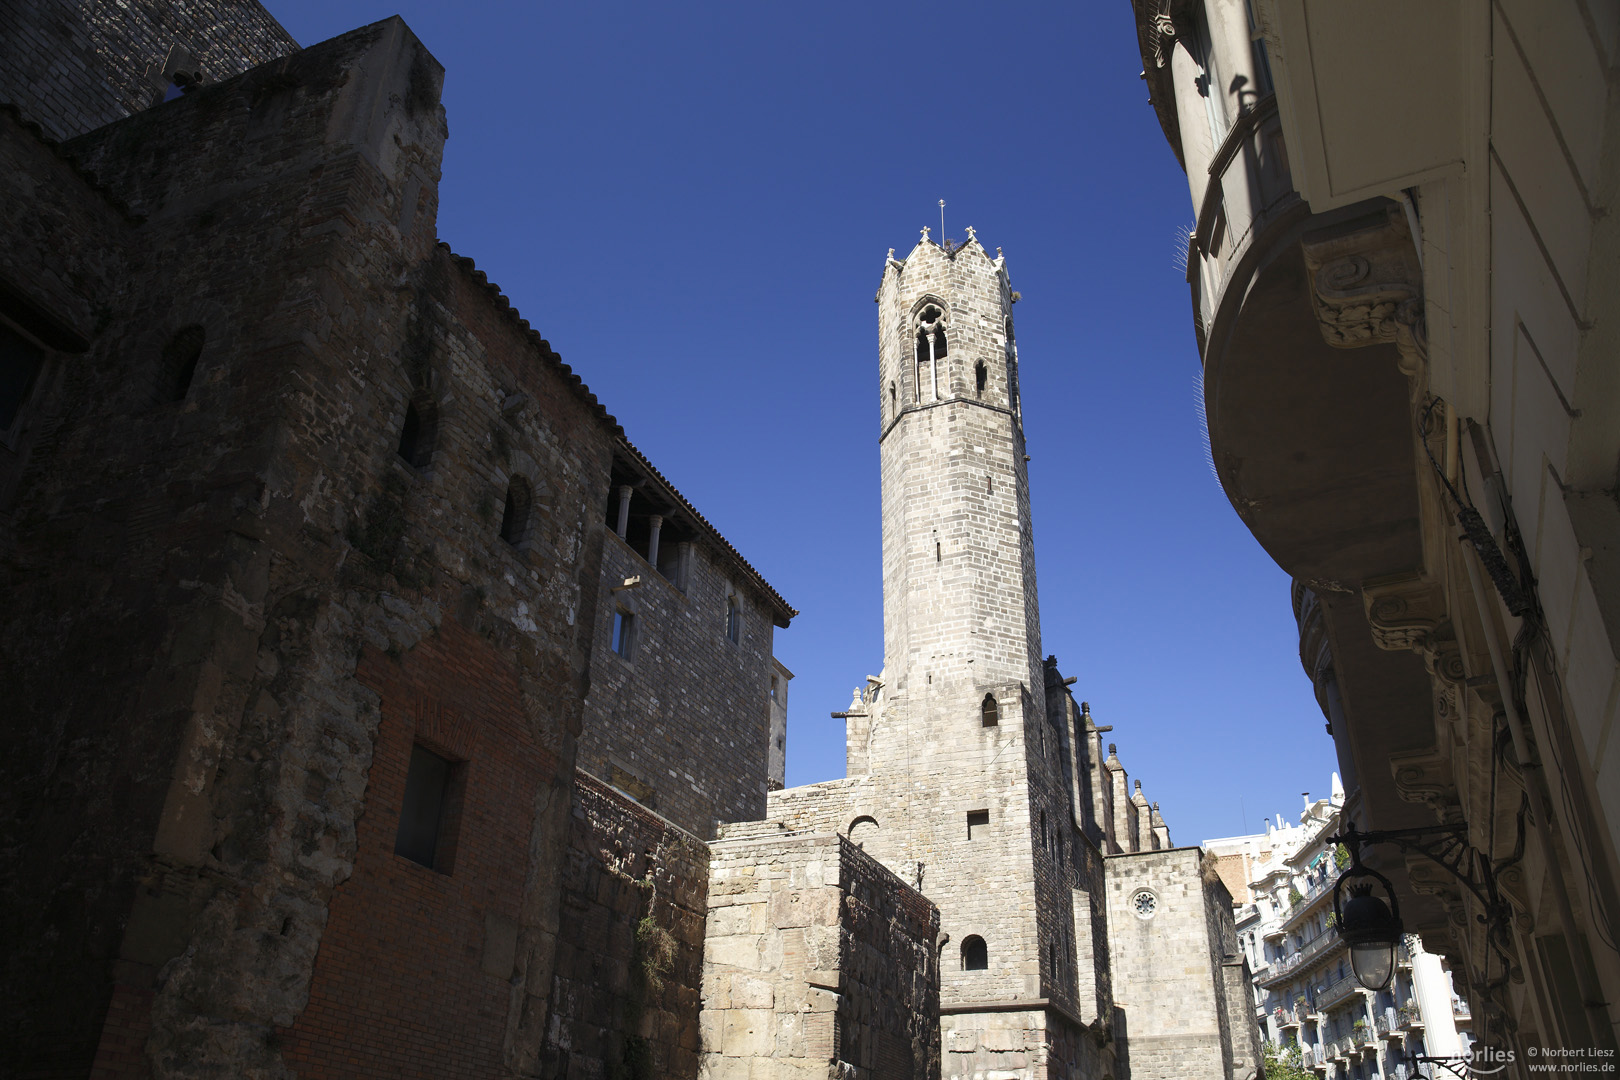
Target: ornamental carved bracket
point(1406, 612)
point(1367, 285)
point(1427, 778)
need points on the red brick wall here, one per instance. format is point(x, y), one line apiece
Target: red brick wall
point(401, 986)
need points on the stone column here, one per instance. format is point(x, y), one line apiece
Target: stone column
point(624, 510)
point(656, 522)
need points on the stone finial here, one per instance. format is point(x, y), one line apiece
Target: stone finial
point(971, 234)
point(1085, 708)
point(925, 231)
point(891, 253)
point(998, 253)
point(1113, 749)
point(1139, 785)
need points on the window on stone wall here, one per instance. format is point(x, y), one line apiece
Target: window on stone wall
point(975, 956)
point(624, 633)
point(989, 711)
point(180, 358)
point(894, 401)
point(733, 620)
point(430, 816)
point(515, 517)
point(978, 822)
point(981, 376)
point(863, 829)
point(20, 364)
point(420, 432)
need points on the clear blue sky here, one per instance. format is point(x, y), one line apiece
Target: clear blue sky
point(693, 202)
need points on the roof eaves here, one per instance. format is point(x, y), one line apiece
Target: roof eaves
point(784, 611)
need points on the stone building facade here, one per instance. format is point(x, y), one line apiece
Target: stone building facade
point(972, 772)
point(1306, 999)
point(1402, 271)
point(327, 750)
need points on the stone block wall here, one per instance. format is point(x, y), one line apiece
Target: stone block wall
point(226, 595)
point(683, 722)
point(630, 946)
point(1167, 969)
point(77, 66)
point(819, 962)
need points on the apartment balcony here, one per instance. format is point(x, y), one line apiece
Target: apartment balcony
point(1319, 1057)
point(1337, 991)
point(1280, 970)
point(1410, 1019)
point(1366, 1040)
point(1389, 1024)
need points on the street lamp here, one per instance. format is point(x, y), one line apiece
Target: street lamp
point(1370, 927)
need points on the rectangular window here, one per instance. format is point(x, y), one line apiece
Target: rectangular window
point(428, 818)
point(624, 633)
point(733, 620)
point(978, 823)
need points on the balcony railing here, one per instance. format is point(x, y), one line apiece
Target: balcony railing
point(1316, 946)
point(1337, 992)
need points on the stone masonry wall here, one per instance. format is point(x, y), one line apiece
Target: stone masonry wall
point(630, 950)
point(1170, 1020)
point(683, 722)
point(72, 67)
point(818, 962)
point(194, 577)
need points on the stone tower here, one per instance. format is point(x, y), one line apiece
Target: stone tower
point(957, 726)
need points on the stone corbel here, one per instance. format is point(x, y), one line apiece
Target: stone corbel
point(1426, 777)
point(1367, 286)
point(1405, 612)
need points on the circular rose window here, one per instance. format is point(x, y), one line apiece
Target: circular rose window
point(1144, 904)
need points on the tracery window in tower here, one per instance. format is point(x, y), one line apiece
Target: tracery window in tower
point(975, 955)
point(931, 348)
point(989, 711)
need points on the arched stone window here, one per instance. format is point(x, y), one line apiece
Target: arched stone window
point(419, 434)
point(180, 358)
point(519, 505)
point(975, 955)
point(981, 376)
point(863, 828)
point(931, 349)
point(989, 711)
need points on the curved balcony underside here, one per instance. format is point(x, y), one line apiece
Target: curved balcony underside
point(1314, 447)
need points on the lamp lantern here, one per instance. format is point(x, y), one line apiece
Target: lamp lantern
point(1369, 926)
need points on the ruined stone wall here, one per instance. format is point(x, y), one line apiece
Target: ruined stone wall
point(192, 578)
point(683, 722)
point(818, 962)
point(629, 954)
point(1166, 969)
point(71, 67)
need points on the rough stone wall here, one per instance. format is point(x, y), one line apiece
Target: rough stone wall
point(1168, 978)
point(818, 962)
point(72, 67)
point(190, 582)
point(629, 954)
point(683, 723)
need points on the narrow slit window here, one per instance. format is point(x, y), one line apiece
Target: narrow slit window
point(978, 823)
point(180, 358)
point(981, 375)
point(733, 620)
point(423, 837)
point(975, 955)
point(515, 516)
point(419, 432)
point(20, 364)
point(989, 711)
